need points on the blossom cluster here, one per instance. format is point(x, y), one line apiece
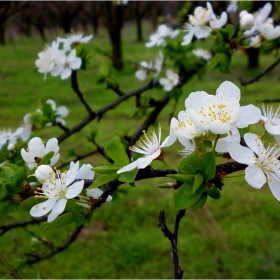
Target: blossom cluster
point(60, 58)
point(202, 22)
point(218, 119)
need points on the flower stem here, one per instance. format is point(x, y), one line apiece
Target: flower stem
point(234, 175)
point(215, 143)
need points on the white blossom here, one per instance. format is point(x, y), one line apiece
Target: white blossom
point(170, 81)
point(57, 188)
point(48, 58)
point(8, 136)
point(218, 22)
point(37, 149)
point(145, 68)
point(232, 6)
point(204, 54)
point(246, 20)
point(150, 147)
point(158, 38)
point(74, 39)
point(61, 111)
point(263, 163)
point(221, 112)
point(65, 64)
point(198, 24)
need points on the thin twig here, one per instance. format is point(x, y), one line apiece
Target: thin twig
point(99, 113)
point(6, 228)
point(55, 250)
point(245, 82)
point(75, 86)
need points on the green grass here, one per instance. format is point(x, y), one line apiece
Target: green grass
point(234, 237)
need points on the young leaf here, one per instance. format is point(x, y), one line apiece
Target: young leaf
point(182, 178)
point(46, 159)
point(5, 209)
point(200, 202)
point(14, 183)
point(104, 179)
point(60, 221)
point(198, 180)
point(78, 218)
point(208, 165)
point(115, 150)
point(106, 169)
point(214, 193)
point(128, 177)
point(184, 200)
point(190, 164)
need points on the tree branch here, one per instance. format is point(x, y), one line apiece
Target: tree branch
point(99, 113)
point(55, 250)
point(75, 86)
point(245, 82)
point(172, 237)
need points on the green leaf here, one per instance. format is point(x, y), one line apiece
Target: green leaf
point(5, 209)
point(47, 158)
point(230, 30)
point(7, 170)
point(198, 180)
point(106, 169)
point(60, 221)
point(14, 183)
point(202, 200)
point(214, 193)
point(184, 200)
point(128, 177)
point(190, 164)
point(182, 178)
point(103, 179)
point(78, 218)
point(115, 150)
point(208, 165)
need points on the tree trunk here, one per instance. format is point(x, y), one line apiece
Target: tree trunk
point(253, 57)
point(139, 28)
point(3, 34)
point(114, 21)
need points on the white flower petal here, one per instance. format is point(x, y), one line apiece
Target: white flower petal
point(250, 114)
point(57, 209)
point(130, 166)
point(228, 89)
point(241, 154)
point(42, 208)
point(75, 189)
point(274, 185)
point(255, 176)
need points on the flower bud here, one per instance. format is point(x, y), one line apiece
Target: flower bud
point(11, 147)
point(43, 172)
point(246, 20)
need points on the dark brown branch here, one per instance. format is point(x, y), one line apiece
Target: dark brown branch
point(75, 86)
point(63, 127)
point(173, 237)
point(99, 113)
point(37, 258)
point(6, 228)
point(245, 82)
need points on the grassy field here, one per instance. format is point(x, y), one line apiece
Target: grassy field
point(234, 237)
